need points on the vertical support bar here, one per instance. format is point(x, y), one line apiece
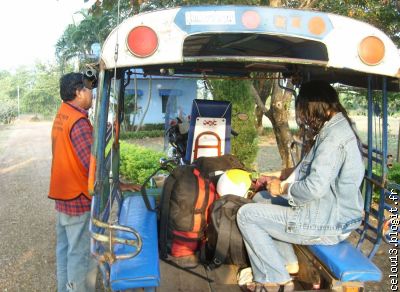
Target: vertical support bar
point(102, 126)
point(99, 139)
point(384, 130)
point(384, 169)
point(398, 146)
point(368, 184)
point(97, 153)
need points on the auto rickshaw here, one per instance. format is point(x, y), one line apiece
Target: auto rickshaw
point(234, 42)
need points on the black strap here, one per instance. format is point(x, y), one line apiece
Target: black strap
point(144, 193)
point(186, 270)
point(164, 215)
point(237, 249)
point(236, 246)
point(203, 253)
point(223, 240)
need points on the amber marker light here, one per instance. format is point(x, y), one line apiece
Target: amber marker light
point(316, 25)
point(371, 50)
point(251, 19)
point(142, 41)
point(92, 174)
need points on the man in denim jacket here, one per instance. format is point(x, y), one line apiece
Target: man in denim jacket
point(321, 202)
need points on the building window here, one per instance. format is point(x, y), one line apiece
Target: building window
point(164, 102)
point(169, 104)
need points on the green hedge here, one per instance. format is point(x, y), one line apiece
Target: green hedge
point(393, 177)
point(8, 111)
point(394, 173)
point(138, 163)
point(152, 127)
point(142, 134)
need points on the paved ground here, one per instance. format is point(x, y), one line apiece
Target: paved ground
point(27, 217)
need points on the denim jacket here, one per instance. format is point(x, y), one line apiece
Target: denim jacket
point(326, 199)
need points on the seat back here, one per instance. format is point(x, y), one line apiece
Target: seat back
point(142, 270)
point(209, 130)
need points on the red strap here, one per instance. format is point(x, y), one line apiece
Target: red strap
point(181, 248)
point(200, 201)
point(186, 234)
point(212, 196)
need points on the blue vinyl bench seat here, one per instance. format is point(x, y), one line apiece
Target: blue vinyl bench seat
point(346, 263)
point(142, 271)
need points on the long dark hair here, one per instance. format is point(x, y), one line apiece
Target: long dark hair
point(316, 101)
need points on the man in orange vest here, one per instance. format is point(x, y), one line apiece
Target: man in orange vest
point(71, 142)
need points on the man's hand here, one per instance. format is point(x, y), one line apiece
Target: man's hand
point(274, 187)
point(129, 187)
point(262, 182)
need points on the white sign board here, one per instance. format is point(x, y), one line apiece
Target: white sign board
point(208, 138)
point(210, 18)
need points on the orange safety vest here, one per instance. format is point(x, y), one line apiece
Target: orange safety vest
point(69, 178)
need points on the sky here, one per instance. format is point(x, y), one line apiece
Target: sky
point(30, 29)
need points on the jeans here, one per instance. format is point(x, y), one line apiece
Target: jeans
point(76, 268)
point(269, 246)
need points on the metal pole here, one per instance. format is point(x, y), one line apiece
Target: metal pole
point(398, 145)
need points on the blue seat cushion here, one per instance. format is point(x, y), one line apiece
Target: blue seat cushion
point(346, 262)
point(143, 270)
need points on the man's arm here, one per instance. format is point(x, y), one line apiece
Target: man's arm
point(81, 138)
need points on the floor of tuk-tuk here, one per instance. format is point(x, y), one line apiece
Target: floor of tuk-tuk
point(198, 279)
point(220, 279)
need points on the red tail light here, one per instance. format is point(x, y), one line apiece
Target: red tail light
point(142, 41)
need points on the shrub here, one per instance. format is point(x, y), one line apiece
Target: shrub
point(138, 163)
point(244, 146)
point(142, 134)
point(8, 111)
point(152, 127)
point(393, 177)
point(394, 173)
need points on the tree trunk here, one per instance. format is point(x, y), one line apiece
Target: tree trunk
point(279, 116)
point(147, 106)
point(263, 88)
point(275, 3)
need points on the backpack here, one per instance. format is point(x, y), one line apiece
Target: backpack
point(212, 167)
point(224, 241)
point(187, 195)
point(183, 211)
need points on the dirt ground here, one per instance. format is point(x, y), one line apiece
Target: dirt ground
point(27, 217)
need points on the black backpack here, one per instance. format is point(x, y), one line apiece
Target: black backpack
point(224, 241)
point(187, 195)
point(210, 166)
point(184, 204)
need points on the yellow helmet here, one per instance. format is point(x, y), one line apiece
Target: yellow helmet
point(234, 182)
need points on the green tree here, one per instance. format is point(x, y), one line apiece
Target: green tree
point(244, 146)
point(97, 23)
point(6, 85)
point(9, 106)
point(383, 14)
point(42, 95)
point(8, 98)
point(37, 90)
